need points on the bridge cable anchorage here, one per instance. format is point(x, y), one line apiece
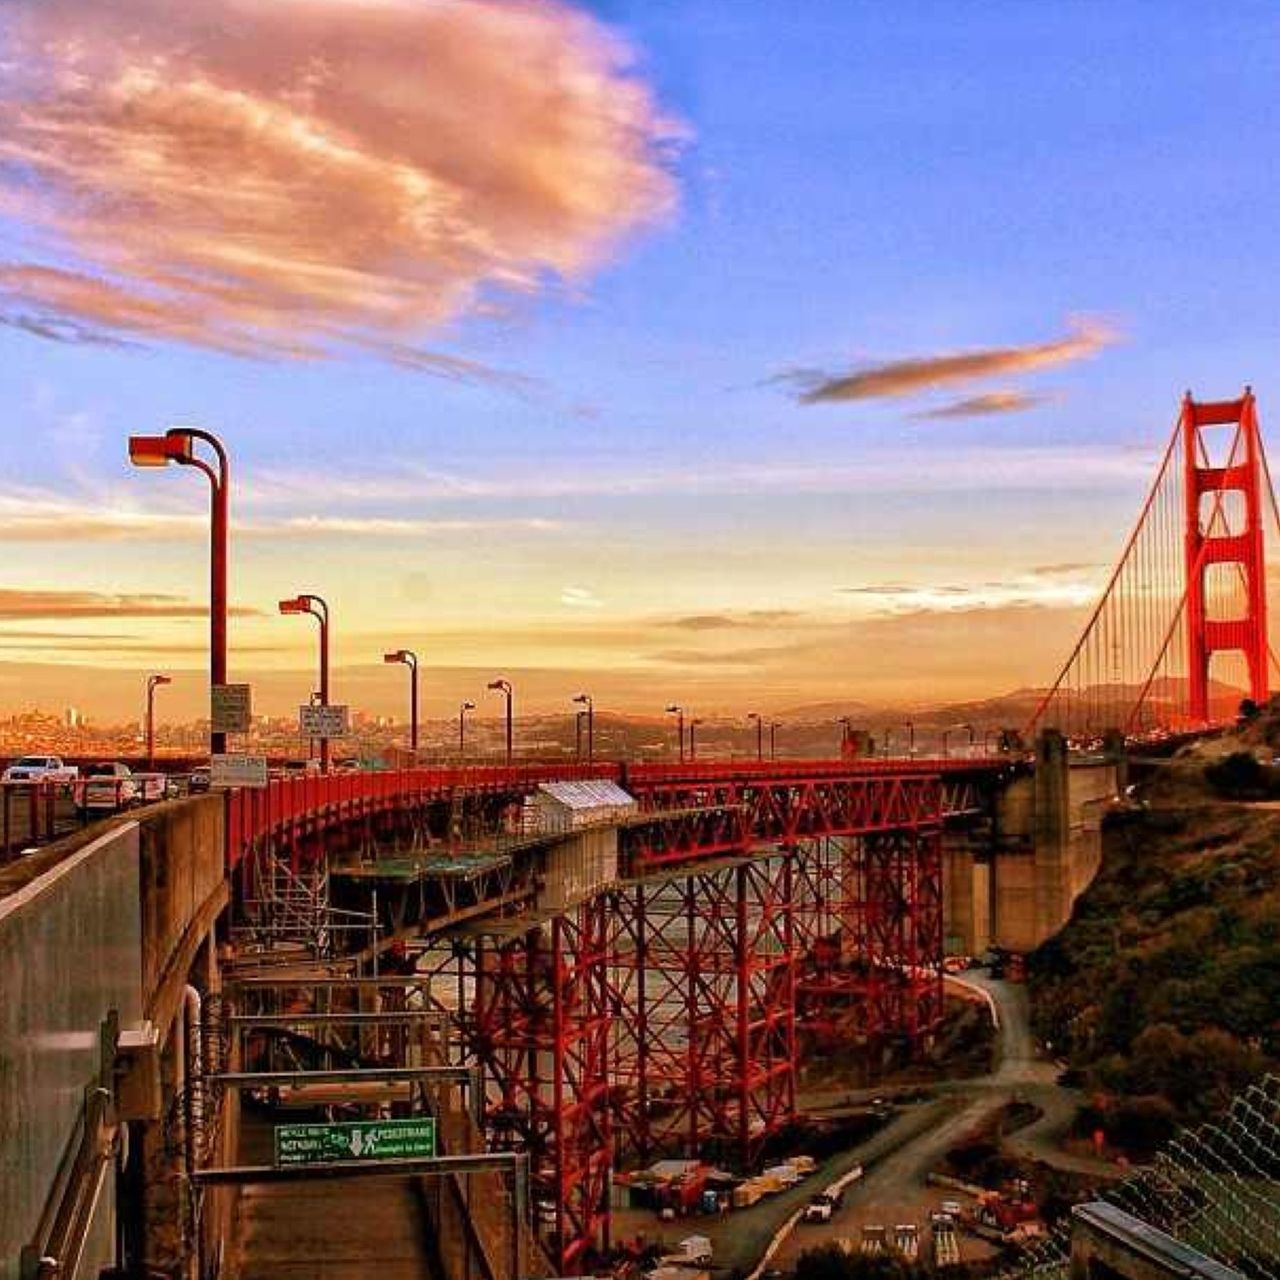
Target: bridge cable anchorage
point(1190, 586)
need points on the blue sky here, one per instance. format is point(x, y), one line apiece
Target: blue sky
point(851, 185)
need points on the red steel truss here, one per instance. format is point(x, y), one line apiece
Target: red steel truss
point(539, 1024)
point(704, 972)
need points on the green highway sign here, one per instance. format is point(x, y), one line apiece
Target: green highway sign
point(355, 1140)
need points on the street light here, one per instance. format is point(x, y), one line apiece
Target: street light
point(178, 445)
point(317, 608)
point(946, 733)
point(678, 712)
point(755, 715)
point(462, 728)
point(585, 700)
point(911, 738)
point(410, 660)
point(888, 741)
point(504, 687)
point(693, 742)
point(153, 682)
point(774, 726)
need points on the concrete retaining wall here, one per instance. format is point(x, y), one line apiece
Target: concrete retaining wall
point(70, 951)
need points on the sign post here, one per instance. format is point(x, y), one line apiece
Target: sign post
point(230, 708)
point(330, 721)
point(238, 771)
point(363, 1140)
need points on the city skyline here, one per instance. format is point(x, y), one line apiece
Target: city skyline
point(673, 392)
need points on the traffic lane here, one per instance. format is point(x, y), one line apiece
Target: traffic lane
point(895, 1160)
point(739, 1238)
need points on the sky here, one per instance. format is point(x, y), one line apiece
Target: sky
point(736, 354)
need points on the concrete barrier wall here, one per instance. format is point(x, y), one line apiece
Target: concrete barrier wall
point(181, 881)
point(70, 951)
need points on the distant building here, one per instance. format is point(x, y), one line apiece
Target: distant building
point(72, 718)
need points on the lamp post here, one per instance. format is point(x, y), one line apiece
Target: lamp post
point(693, 742)
point(153, 682)
point(410, 660)
point(846, 735)
point(462, 727)
point(178, 445)
point(590, 713)
point(774, 726)
point(504, 687)
point(678, 712)
point(755, 715)
point(911, 738)
point(888, 741)
point(318, 608)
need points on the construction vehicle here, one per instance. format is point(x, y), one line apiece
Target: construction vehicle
point(906, 1239)
point(873, 1240)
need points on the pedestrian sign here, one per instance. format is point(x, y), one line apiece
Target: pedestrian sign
point(355, 1140)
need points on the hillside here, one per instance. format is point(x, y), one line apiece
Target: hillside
point(1163, 991)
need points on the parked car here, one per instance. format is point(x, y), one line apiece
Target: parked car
point(107, 788)
point(40, 769)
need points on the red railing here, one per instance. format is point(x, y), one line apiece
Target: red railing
point(253, 813)
point(334, 799)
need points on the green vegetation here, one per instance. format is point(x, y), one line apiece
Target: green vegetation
point(831, 1262)
point(1163, 991)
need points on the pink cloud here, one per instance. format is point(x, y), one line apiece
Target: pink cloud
point(295, 178)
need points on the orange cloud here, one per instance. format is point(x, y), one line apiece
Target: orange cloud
point(23, 604)
point(990, 402)
point(921, 373)
point(296, 178)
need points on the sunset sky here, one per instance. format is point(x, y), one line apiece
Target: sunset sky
point(730, 353)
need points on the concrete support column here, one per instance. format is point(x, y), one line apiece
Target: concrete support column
point(1052, 834)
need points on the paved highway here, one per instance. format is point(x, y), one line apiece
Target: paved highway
point(900, 1158)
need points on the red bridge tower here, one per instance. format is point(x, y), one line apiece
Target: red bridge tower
point(1241, 547)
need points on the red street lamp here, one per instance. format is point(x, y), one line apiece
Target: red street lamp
point(153, 682)
point(590, 713)
point(317, 608)
point(410, 660)
point(774, 726)
point(755, 715)
point(462, 727)
point(678, 712)
point(693, 742)
point(504, 687)
point(178, 445)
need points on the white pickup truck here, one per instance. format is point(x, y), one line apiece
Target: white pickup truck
point(40, 769)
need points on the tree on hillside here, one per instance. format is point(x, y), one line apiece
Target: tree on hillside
point(1238, 776)
point(831, 1262)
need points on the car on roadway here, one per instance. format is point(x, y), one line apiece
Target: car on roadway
point(200, 781)
point(107, 787)
point(822, 1206)
point(40, 769)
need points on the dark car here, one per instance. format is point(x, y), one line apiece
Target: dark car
point(200, 780)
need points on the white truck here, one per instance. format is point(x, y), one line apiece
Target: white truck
point(40, 769)
point(691, 1251)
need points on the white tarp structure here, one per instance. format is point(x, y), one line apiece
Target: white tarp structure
point(586, 813)
point(570, 806)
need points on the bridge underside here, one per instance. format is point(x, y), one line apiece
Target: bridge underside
point(665, 1012)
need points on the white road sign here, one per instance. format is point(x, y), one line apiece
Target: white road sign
point(238, 771)
point(323, 722)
